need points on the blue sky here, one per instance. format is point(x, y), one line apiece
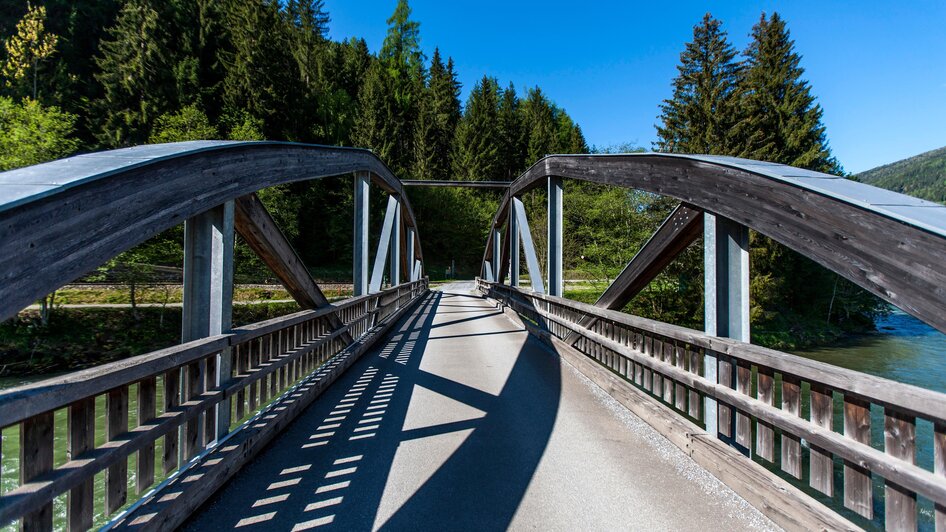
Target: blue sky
point(878, 68)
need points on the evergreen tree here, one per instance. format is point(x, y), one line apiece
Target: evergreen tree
point(478, 146)
point(136, 73)
point(782, 122)
point(541, 127)
point(700, 116)
point(389, 100)
point(260, 68)
point(512, 150)
point(437, 121)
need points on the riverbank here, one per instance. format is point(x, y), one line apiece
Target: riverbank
point(77, 338)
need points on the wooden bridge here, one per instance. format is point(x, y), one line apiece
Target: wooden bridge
point(484, 405)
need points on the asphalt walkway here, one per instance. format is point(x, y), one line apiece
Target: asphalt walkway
point(462, 421)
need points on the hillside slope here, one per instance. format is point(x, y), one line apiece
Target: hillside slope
point(923, 176)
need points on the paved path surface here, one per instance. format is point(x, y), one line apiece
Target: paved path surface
point(462, 421)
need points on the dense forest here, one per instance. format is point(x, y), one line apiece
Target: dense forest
point(85, 75)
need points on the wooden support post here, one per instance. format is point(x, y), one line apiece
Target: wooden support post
point(387, 228)
point(497, 254)
point(394, 264)
point(726, 300)
point(360, 239)
point(555, 275)
point(208, 300)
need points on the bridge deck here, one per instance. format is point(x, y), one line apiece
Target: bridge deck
point(461, 420)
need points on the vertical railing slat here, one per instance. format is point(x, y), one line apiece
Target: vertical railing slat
point(81, 439)
point(765, 434)
point(695, 367)
point(857, 484)
point(791, 444)
point(36, 458)
point(193, 428)
point(900, 443)
point(116, 424)
point(725, 376)
point(939, 469)
point(821, 468)
point(743, 421)
point(172, 398)
point(147, 398)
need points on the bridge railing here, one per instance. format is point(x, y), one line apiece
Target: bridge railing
point(76, 429)
point(797, 417)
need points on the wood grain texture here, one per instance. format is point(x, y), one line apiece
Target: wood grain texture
point(855, 452)
point(48, 241)
point(900, 443)
point(765, 434)
point(116, 424)
point(36, 459)
point(858, 495)
point(821, 412)
point(791, 444)
point(147, 410)
point(839, 230)
point(81, 440)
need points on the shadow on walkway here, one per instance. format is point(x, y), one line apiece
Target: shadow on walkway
point(441, 431)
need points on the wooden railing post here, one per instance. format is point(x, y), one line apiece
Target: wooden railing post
point(208, 300)
point(726, 301)
point(556, 281)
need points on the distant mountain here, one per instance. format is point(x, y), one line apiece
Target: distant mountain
point(923, 176)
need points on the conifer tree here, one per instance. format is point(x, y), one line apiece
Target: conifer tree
point(389, 101)
point(700, 116)
point(136, 73)
point(541, 127)
point(478, 143)
point(437, 120)
point(260, 68)
point(782, 121)
point(512, 134)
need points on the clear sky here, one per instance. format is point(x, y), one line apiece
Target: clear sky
point(878, 68)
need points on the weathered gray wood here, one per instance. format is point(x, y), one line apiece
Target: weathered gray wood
point(147, 397)
point(821, 409)
point(116, 424)
point(857, 484)
point(900, 443)
point(165, 513)
point(744, 422)
point(829, 220)
point(765, 434)
point(525, 235)
point(118, 199)
point(81, 440)
point(381, 255)
point(939, 468)
point(172, 398)
point(791, 444)
point(789, 507)
point(726, 413)
point(36, 459)
point(193, 436)
point(553, 264)
point(260, 232)
point(849, 449)
point(360, 271)
point(906, 398)
point(35, 494)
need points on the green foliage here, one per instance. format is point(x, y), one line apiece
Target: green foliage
point(437, 121)
point(478, 143)
point(190, 123)
point(31, 133)
point(136, 73)
point(923, 176)
point(704, 108)
point(30, 45)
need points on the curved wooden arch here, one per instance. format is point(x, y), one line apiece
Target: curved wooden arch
point(59, 220)
point(891, 244)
